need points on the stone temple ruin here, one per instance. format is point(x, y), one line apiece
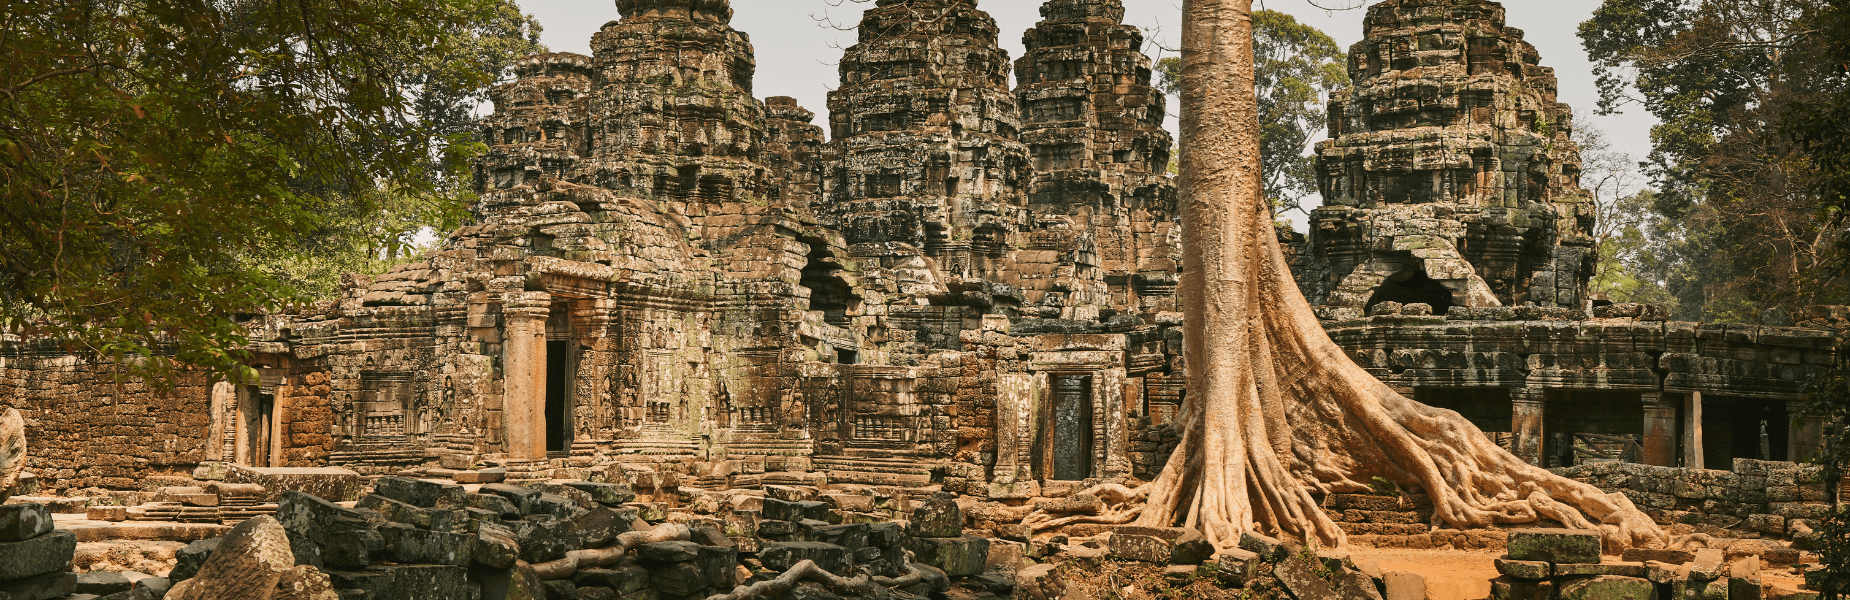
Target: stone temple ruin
point(962, 287)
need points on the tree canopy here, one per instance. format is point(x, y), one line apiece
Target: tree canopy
point(1743, 209)
point(159, 158)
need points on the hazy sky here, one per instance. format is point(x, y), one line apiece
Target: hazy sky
point(797, 55)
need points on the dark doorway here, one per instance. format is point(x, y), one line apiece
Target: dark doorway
point(1072, 427)
point(1413, 286)
point(1742, 428)
point(1592, 426)
point(260, 426)
point(558, 395)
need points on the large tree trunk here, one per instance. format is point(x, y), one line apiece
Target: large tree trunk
point(1277, 414)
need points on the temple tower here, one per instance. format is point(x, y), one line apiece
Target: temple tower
point(1449, 178)
point(927, 157)
point(1100, 194)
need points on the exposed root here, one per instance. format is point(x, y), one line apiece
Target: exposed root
point(860, 585)
point(564, 568)
point(1121, 505)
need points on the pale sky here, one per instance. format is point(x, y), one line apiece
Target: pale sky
point(797, 56)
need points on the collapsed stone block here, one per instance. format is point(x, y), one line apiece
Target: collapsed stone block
point(607, 494)
point(1531, 570)
point(20, 522)
point(1555, 545)
point(37, 556)
point(960, 556)
point(783, 555)
point(937, 517)
point(412, 546)
point(1161, 545)
point(1607, 587)
point(39, 587)
point(419, 493)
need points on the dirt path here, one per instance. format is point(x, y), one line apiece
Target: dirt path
point(1450, 574)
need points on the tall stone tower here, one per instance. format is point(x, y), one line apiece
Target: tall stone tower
point(927, 156)
point(1449, 178)
point(1102, 202)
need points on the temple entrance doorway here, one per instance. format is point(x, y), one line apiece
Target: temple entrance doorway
point(560, 375)
point(1071, 431)
point(257, 427)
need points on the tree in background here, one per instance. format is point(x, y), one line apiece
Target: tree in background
point(1744, 227)
point(160, 159)
point(1296, 67)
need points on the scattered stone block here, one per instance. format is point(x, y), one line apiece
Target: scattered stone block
point(1268, 548)
point(1621, 569)
point(781, 556)
point(1510, 588)
point(1555, 545)
point(247, 564)
point(1406, 586)
point(669, 552)
point(676, 579)
point(37, 556)
point(102, 583)
point(39, 587)
point(607, 494)
point(352, 549)
point(1160, 545)
point(112, 514)
point(419, 493)
point(1607, 587)
point(1674, 557)
point(1532, 570)
point(622, 580)
point(960, 556)
point(188, 560)
point(937, 517)
point(411, 546)
point(20, 522)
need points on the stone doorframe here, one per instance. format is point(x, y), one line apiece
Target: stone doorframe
point(1024, 407)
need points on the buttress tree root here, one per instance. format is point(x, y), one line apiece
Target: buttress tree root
point(1277, 414)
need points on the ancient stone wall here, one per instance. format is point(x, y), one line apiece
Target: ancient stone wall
point(89, 423)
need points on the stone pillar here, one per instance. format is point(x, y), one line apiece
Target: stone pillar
point(1692, 432)
point(224, 410)
point(1660, 430)
point(1806, 440)
point(523, 365)
point(1526, 406)
point(1114, 454)
point(1012, 476)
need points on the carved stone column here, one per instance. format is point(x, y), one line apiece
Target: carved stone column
point(1526, 407)
point(523, 365)
point(1806, 440)
point(1692, 431)
point(1660, 430)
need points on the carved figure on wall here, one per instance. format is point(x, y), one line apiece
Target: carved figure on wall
point(12, 451)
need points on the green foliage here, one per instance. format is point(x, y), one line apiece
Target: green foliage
point(1819, 118)
point(1741, 225)
point(1297, 68)
point(164, 162)
point(1828, 402)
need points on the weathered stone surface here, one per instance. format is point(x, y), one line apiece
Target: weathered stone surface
point(408, 545)
point(1265, 546)
point(544, 539)
point(1624, 569)
point(1674, 557)
point(330, 483)
point(1164, 545)
point(495, 547)
point(599, 526)
point(247, 564)
point(1555, 545)
point(606, 494)
point(622, 580)
point(305, 583)
point(937, 517)
point(37, 556)
point(1511, 588)
point(409, 582)
point(783, 555)
point(20, 522)
point(1402, 585)
point(1524, 569)
point(12, 451)
point(521, 497)
point(1607, 587)
point(669, 552)
point(958, 557)
point(419, 493)
point(39, 587)
point(188, 560)
point(352, 549)
point(102, 583)
point(676, 579)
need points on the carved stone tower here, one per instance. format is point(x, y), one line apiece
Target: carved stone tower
point(1450, 179)
point(926, 138)
point(1100, 196)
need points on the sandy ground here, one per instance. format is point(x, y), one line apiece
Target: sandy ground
point(1450, 574)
